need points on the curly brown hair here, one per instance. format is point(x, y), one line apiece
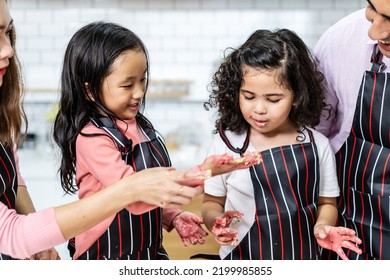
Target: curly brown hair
point(280, 50)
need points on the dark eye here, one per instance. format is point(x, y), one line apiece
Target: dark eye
point(9, 32)
point(127, 86)
point(274, 100)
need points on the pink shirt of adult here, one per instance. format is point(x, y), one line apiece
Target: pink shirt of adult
point(24, 235)
point(98, 165)
point(344, 53)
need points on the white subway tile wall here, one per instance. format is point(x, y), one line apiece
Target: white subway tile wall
point(185, 39)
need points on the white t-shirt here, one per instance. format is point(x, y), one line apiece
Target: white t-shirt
point(238, 188)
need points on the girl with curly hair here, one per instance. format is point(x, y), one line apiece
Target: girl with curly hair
point(268, 94)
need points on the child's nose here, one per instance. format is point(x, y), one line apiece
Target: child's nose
point(139, 91)
point(260, 108)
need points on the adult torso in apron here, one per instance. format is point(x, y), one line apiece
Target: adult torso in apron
point(129, 236)
point(8, 181)
point(363, 167)
point(285, 188)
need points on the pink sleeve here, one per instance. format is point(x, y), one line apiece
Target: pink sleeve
point(22, 236)
point(20, 178)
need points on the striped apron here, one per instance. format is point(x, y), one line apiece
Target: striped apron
point(135, 237)
point(285, 188)
point(363, 167)
point(8, 181)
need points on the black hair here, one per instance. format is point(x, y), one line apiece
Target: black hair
point(88, 59)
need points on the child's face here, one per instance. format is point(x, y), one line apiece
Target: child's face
point(124, 88)
point(264, 103)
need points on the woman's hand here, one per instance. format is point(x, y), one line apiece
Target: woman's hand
point(189, 228)
point(335, 238)
point(166, 187)
point(221, 230)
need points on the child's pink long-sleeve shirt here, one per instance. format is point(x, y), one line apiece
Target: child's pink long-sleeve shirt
point(98, 165)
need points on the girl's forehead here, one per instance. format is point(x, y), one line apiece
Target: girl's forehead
point(248, 71)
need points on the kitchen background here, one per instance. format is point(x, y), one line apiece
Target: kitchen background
point(186, 39)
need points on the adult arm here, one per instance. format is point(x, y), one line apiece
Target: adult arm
point(155, 186)
point(322, 51)
point(22, 236)
point(25, 205)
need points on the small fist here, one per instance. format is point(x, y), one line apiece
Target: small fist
point(221, 230)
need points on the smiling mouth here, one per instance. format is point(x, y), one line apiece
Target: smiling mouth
point(134, 106)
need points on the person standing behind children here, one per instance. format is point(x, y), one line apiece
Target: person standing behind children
point(354, 55)
point(268, 95)
point(104, 137)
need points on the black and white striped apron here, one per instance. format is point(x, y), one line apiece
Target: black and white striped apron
point(8, 181)
point(286, 195)
point(135, 237)
point(363, 167)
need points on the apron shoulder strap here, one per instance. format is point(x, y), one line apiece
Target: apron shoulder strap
point(237, 150)
point(147, 127)
point(310, 133)
point(107, 125)
point(376, 59)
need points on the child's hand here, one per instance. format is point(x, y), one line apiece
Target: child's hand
point(189, 228)
point(220, 164)
point(223, 234)
point(334, 238)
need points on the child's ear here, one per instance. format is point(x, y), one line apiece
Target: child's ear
point(88, 90)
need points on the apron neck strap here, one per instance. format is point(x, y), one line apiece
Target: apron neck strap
point(108, 125)
point(376, 59)
point(240, 151)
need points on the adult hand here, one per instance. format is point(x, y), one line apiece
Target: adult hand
point(221, 230)
point(189, 228)
point(335, 238)
point(166, 187)
point(220, 164)
point(50, 254)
